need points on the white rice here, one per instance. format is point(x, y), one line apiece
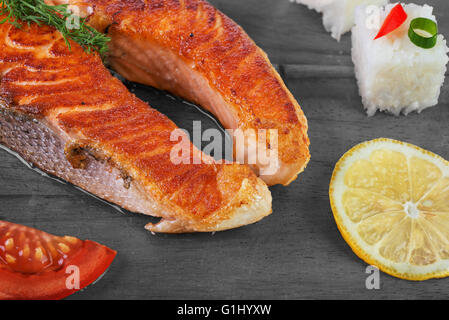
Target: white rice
point(317, 5)
point(394, 74)
point(338, 15)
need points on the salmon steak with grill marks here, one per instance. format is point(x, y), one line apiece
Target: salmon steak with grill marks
point(64, 112)
point(191, 49)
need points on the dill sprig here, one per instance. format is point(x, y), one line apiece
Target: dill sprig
point(37, 11)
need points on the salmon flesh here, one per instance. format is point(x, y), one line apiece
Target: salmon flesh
point(64, 112)
point(191, 49)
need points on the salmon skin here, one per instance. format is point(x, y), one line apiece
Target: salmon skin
point(191, 49)
point(64, 112)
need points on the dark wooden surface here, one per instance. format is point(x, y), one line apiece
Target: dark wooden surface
point(297, 252)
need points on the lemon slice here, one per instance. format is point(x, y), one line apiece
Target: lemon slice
point(390, 200)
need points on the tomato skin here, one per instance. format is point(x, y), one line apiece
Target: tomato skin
point(92, 260)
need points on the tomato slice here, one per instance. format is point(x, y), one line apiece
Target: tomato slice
point(38, 265)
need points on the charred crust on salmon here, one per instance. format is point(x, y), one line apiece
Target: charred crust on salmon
point(217, 66)
point(82, 125)
point(76, 155)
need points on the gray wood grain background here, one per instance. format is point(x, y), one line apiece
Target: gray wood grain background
point(297, 252)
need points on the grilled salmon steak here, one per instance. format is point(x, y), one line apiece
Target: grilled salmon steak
point(193, 50)
point(64, 112)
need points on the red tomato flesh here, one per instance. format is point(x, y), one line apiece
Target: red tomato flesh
point(38, 265)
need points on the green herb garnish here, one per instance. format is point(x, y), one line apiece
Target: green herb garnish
point(37, 11)
point(423, 32)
